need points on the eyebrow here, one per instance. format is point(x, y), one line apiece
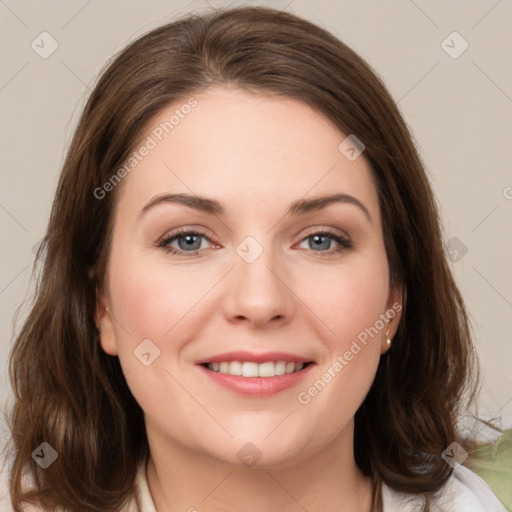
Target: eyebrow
point(213, 207)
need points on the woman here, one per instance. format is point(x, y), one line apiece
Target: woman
point(245, 303)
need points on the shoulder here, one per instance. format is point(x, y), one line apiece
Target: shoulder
point(464, 491)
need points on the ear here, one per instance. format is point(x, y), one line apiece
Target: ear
point(393, 314)
point(104, 320)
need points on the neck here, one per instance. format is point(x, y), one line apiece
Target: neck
point(182, 479)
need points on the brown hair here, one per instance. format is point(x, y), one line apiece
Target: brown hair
point(71, 394)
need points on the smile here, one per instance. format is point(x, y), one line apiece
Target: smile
point(251, 369)
point(256, 375)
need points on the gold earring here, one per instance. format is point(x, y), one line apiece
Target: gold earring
point(388, 339)
point(106, 309)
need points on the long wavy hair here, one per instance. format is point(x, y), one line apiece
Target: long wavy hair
point(69, 393)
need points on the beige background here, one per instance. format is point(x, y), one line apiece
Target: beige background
point(459, 110)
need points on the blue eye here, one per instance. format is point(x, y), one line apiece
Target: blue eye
point(189, 242)
point(186, 240)
point(323, 240)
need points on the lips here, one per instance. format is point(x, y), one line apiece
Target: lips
point(256, 374)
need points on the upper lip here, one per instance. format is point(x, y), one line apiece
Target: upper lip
point(264, 357)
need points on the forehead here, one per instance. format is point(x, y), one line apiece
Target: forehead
point(245, 150)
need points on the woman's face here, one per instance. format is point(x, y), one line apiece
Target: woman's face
point(263, 272)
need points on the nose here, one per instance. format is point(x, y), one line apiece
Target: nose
point(258, 293)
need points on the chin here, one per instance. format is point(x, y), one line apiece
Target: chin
point(258, 452)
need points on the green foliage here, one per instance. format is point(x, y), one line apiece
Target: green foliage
point(493, 463)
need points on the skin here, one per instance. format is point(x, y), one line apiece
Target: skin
point(255, 155)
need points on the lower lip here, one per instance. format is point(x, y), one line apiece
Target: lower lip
point(257, 386)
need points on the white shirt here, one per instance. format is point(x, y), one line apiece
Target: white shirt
point(463, 492)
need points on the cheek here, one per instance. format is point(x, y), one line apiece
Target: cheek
point(151, 300)
point(160, 302)
point(157, 304)
point(350, 305)
point(348, 299)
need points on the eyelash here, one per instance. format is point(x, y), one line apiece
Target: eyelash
point(166, 240)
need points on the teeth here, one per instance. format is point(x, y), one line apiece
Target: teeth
point(250, 369)
point(280, 368)
point(267, 370)
point(235, 368)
